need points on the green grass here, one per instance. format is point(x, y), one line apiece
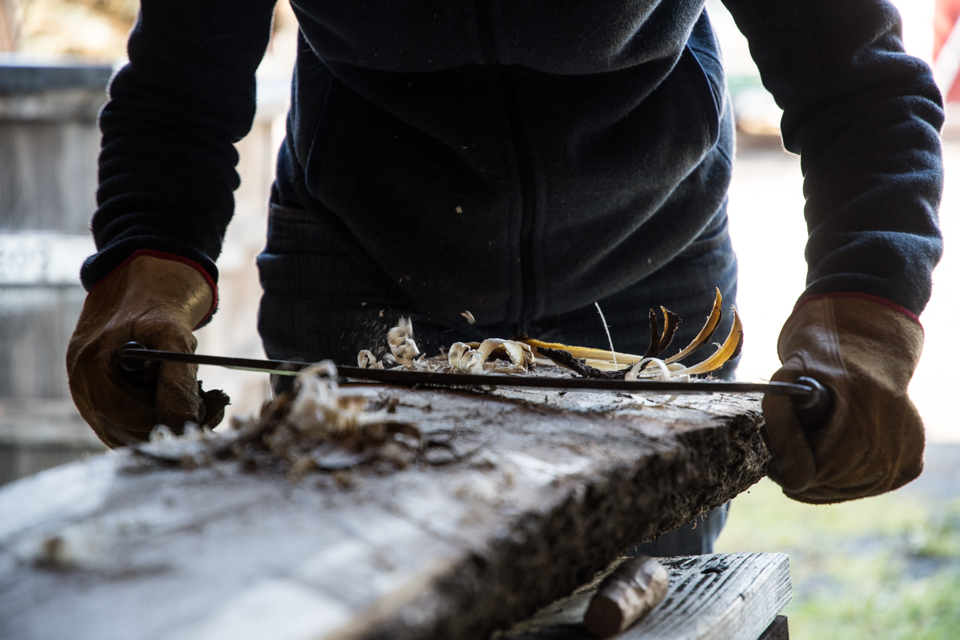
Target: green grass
point(882, 568)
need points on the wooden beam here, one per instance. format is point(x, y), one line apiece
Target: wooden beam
point(556, 486)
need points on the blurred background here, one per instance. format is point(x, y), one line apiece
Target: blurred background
point(887, 567)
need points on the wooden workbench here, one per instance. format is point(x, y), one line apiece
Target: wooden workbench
point(555, 486)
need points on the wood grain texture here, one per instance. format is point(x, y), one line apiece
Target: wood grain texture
point(713, 597)
point(556, 487)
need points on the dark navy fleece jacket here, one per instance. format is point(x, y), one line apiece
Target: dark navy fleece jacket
point(521, 158)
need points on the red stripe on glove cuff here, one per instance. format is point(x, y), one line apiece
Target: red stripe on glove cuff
point(175, 258)
point(840, 295)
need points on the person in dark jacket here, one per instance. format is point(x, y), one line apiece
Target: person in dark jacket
point(521, 162)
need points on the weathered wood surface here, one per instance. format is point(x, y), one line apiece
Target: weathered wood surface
point(714, 597)
point(558, 485)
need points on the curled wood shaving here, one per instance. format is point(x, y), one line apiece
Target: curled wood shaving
point(596, 358)
point(709, 328)
point(653, 350)
point(521, 353)
point(320, 411)
point(660, 341)
point(400, 340)
point(565, 358)
point(598, 363)
point(366, 360)
point(661, 371)
point(474, 358)
point(729, 350)
point(491, 355)
point(670, 323)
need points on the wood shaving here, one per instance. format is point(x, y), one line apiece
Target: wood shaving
point(317, 427)
point(494, 355)
point(366, 360)
point(474, 359)
point(598, 363)
point(400, 340)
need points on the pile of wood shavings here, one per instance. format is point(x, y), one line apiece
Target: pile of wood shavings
point(316, 427)
point(519, 355)
point(493, 355)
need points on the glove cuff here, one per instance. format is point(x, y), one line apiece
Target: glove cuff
point(194, 292)
point(848, 328)
point(856, 295)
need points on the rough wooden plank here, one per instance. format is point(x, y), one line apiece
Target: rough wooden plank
point(558, 485)
point(715, 597)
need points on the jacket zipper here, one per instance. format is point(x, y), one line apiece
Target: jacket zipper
point(524, 165)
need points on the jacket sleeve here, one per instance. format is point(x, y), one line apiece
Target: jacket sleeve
point(865, 118)
point(167, 160)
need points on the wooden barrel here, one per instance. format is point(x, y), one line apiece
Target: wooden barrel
point(49, 142)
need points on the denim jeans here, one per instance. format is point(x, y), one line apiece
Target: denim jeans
point(319, 303)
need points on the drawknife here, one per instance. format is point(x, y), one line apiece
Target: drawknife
point(812, 401)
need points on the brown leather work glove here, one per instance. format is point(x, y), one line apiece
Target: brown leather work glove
point(864, 349)
point(157, 302)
